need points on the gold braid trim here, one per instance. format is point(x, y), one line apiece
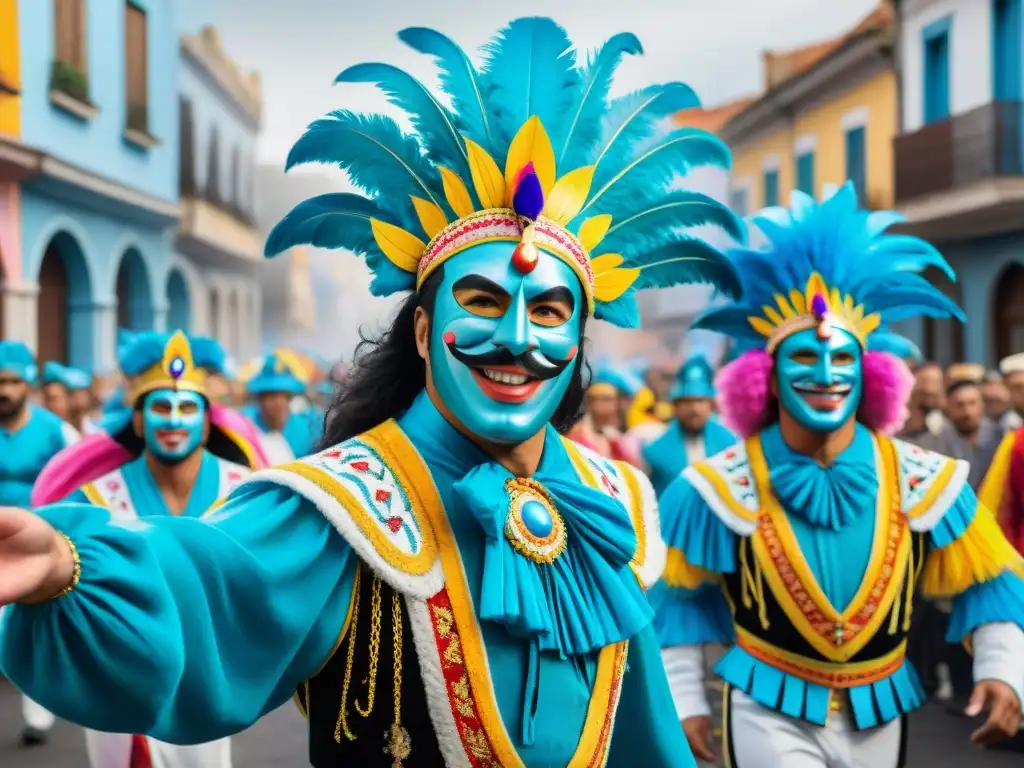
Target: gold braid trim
point(341, 726)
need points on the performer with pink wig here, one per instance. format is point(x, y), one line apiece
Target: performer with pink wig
point(818, 528)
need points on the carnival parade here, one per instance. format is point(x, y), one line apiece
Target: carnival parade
point(630, 470)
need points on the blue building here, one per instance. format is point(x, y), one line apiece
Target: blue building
point(99, 114)
point(213, 285)
point(959, 165)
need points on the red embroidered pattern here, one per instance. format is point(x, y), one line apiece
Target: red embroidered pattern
point(840, 677)
point(838, 634)
point(456, 677)
point(603, 742)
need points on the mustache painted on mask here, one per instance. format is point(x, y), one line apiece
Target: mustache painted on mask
point(533, 361)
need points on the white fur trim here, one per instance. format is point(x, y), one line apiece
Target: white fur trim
point(402, 582)
point(656, 551)
point(231, 475)
point(919, 469)
point(434, 685)
point(735, 523)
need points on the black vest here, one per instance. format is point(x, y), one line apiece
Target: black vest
point(367, 741)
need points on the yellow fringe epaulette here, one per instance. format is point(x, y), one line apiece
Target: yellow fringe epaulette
point(980, 554)
point(680, 573)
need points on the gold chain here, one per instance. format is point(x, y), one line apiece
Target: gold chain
point(342, 725)
point(371, 695)
point(399, 741)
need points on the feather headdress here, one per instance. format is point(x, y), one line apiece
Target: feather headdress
point(829, 265)
point(534, 153)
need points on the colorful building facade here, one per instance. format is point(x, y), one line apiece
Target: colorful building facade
point(827, 114)
point(214, 287)
point(959, 165)
point(98, 204)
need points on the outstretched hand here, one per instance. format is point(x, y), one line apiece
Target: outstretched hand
point(1004, 713)
point(35, 560)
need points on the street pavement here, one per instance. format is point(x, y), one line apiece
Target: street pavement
point(279, 741)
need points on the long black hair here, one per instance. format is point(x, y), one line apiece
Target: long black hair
point(388, 373)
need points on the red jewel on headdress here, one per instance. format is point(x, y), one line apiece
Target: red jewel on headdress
point(524, 257)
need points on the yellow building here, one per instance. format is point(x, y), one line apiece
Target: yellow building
point(10, 70)
point(828, 113)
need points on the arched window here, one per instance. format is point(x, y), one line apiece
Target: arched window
point(1008, 312)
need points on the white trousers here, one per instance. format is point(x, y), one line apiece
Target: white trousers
point(35, 716)
point(114, 750)
point(758, 737)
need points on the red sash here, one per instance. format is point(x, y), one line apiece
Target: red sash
point(140, 753)
point(1011, 515)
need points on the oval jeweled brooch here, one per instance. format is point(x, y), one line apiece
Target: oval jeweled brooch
point(534, 528)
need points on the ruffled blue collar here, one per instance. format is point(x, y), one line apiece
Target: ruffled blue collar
point(587, 596)
point(829, 497)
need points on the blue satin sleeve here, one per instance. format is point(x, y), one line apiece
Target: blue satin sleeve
point(184, 629)
point(647, 731)
point(689, 604)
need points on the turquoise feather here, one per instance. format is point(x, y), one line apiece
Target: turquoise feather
point(336, 220)
point(623, 312)
point(644, 178)
point(584, 127)
point(440, 138)
point(530, 70)
point(652, 226)
point(633, 118)
point(377, 156)
point(849, 248)
point(459, 79)
point(687, 260)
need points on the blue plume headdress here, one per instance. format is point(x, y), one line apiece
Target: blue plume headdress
point(884, 340)
point(829, 265)
point(534, 153)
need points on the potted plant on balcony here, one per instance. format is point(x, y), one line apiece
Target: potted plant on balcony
point(69, 89)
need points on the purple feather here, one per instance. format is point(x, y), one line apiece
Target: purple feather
point(819, 307)
point(528, 198)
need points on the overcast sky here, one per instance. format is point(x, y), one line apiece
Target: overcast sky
point(299, 46)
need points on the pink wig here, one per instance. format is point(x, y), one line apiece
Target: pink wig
point(746, 403)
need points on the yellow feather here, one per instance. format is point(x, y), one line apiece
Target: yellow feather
point(487, 178)
point(531, 145)
point(432, 218)
point(784, 306)
point(848, 303)
point(178, 346)
point(772, 315)
point(593, 230)
point(761, 325)
point(402, 248)
point(456, 192)
point(870, 324)
point(835, 300)
point(606, 262)
point(797, 300)
point(815, 285)
point(568, 195)
point(608, 286)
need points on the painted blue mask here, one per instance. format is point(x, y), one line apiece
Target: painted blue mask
point(173, 424)
point(819, 380)
point(503, 344)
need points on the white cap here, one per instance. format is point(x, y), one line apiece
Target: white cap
point(1012, 364)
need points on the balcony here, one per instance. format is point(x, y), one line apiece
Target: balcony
point(964, 176)
point(208, 232)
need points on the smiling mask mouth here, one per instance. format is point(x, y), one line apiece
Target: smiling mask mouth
point(823, 397)
point(510, 378)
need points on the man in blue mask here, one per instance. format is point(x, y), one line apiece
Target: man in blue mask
point(819, 528)
point(29, 437)
point(449, 582)
point(695, 433)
